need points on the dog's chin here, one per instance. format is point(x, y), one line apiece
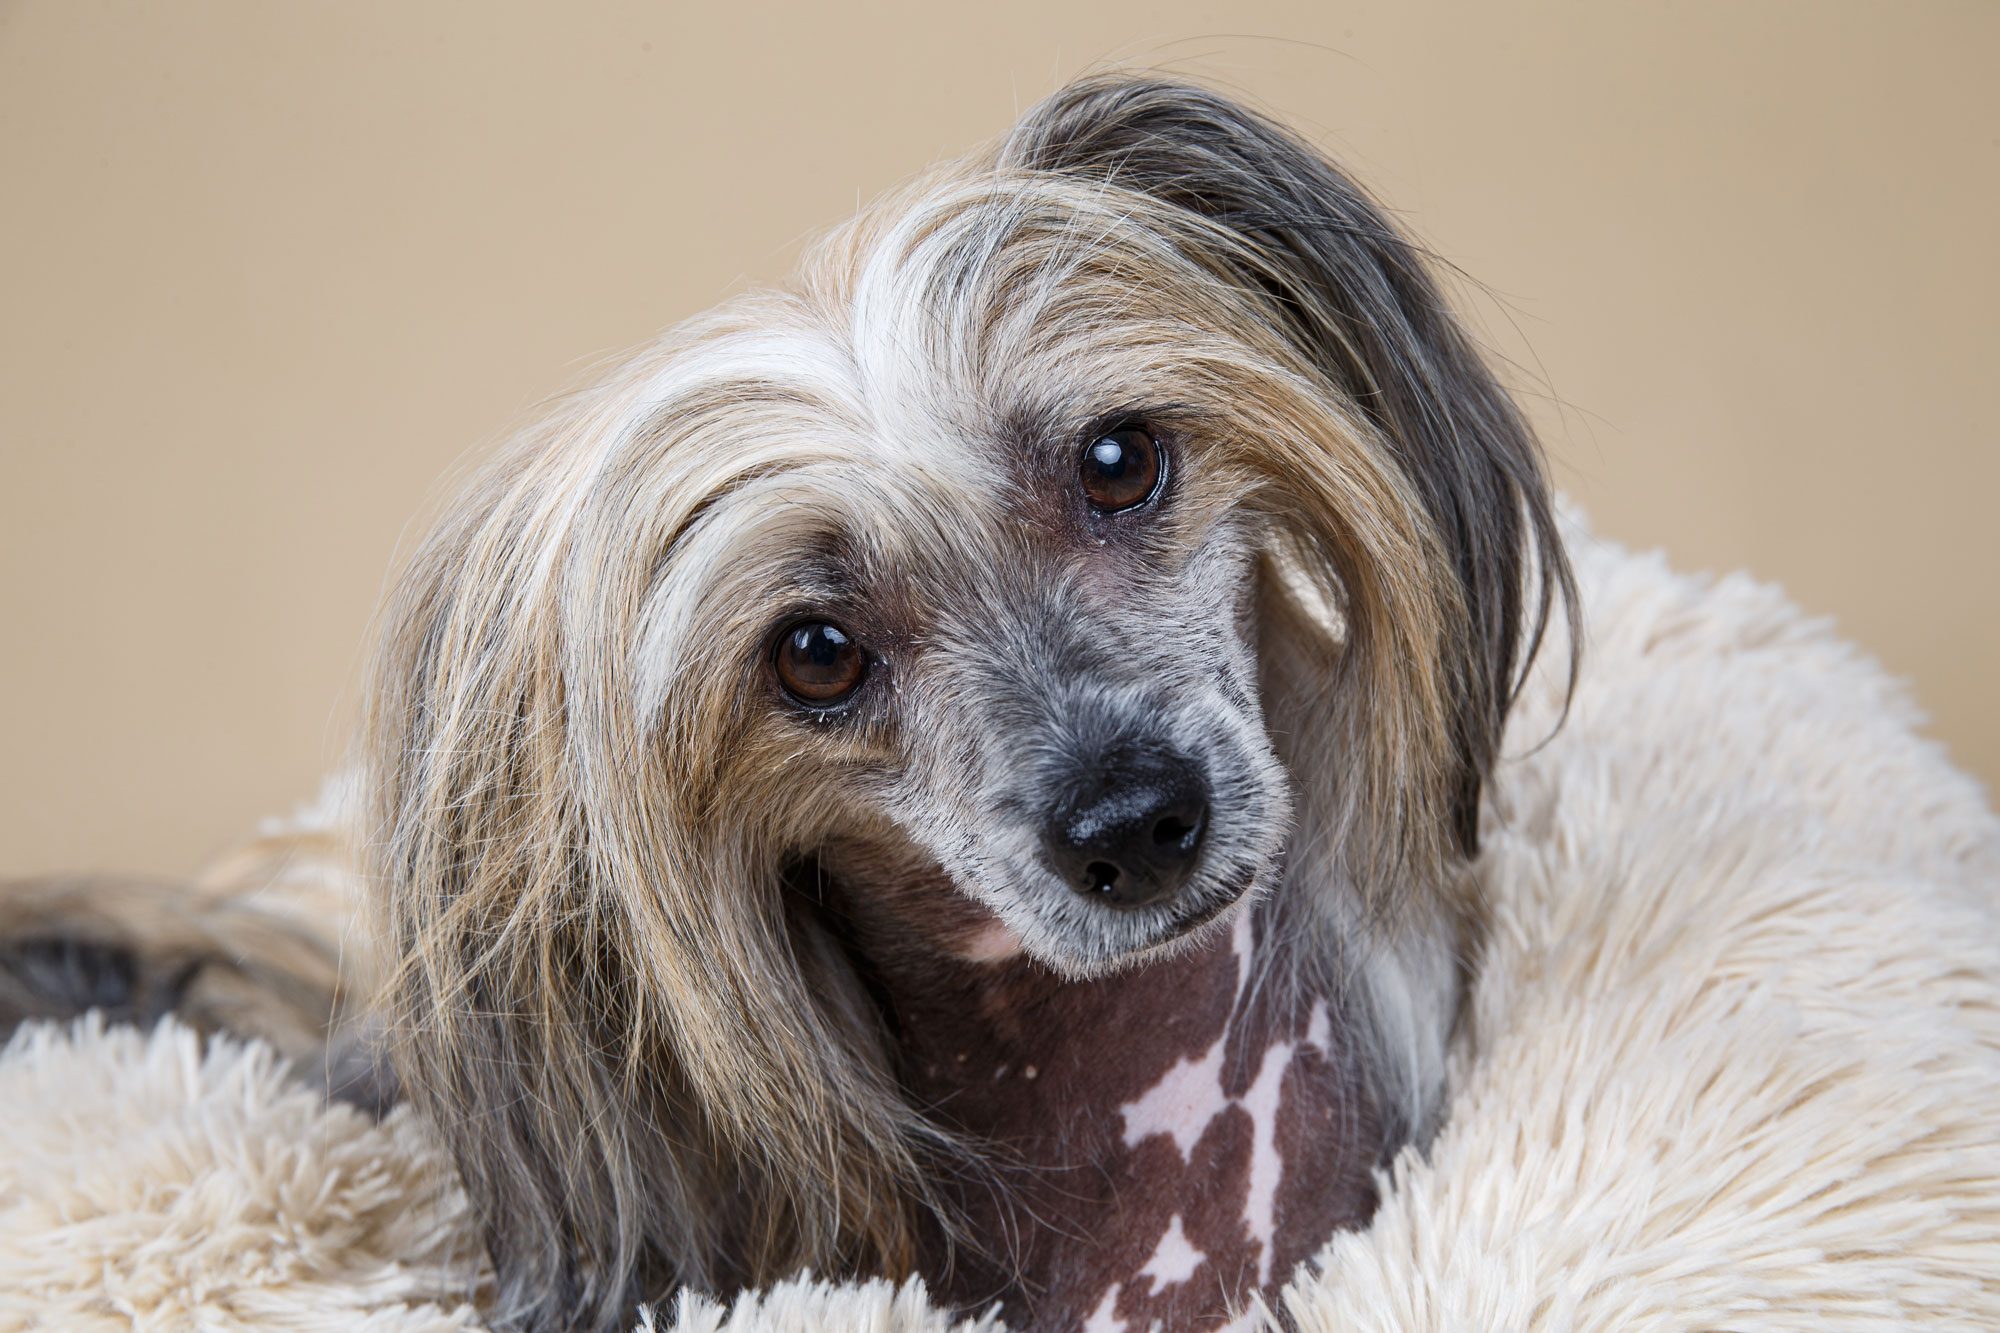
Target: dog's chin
point(1137, 939)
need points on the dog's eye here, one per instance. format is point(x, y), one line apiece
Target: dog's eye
point(818, 664)
point(1121, 469)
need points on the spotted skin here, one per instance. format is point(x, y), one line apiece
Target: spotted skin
point(1182, 1136)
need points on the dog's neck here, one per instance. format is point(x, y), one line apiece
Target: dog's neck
point(1166, 1142)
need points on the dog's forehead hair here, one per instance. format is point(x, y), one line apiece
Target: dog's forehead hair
point(898, 436)
point(924, 492)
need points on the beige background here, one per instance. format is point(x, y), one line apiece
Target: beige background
point(267, 270)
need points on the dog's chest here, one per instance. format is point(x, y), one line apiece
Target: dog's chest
point(1184, 1137)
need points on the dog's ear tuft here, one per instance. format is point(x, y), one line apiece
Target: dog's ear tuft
point(1354, 294)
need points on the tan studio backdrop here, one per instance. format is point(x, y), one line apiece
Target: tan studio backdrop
point(269, 270)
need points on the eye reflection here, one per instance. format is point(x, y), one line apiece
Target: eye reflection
point(1120, 470)
point(818, 663)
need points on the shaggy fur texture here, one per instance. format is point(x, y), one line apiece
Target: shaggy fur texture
point(1733, 1058)
point(665, 940)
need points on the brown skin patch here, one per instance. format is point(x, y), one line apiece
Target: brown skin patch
point(1040, 1069)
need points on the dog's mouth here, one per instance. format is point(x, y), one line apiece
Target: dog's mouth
point(1203, 917)
point(995, 941)
point(1187, 922)
point(1117, 942)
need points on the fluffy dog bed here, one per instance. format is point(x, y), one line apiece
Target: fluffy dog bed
point(1732, 1058)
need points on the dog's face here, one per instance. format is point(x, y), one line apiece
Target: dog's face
point(1062, 713)
point(994, 510)
point(992, 506)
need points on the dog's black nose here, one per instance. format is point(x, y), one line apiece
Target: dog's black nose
point(1129, 835)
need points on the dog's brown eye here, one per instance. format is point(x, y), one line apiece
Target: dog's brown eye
point(1121, 468)
point(818, 664)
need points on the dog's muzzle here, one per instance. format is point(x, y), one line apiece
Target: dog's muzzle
point(1129, 834)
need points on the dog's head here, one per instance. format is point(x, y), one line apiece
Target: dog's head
point(994, 572)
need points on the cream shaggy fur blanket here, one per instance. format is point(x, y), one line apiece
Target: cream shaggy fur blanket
point(1733, 1057)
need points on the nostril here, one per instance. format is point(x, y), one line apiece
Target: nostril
point(1180, 831)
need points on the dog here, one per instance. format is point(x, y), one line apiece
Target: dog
point(969, 765)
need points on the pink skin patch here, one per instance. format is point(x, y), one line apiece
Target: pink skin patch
point(1182, 1105)
point(994, 942)
point(1319, 1029)
point(1104, 1319)
point(1267, 1164)
point(1188, 1098)
point(1174, 1259)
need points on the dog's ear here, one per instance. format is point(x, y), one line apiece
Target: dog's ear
point(1354, 295)
point(648, 1075)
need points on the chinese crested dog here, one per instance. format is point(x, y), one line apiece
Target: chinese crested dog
point(968, 766)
